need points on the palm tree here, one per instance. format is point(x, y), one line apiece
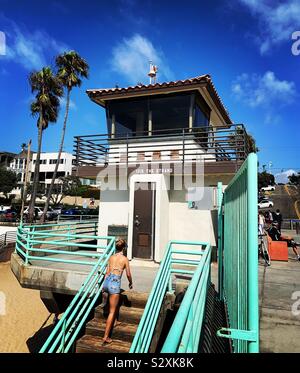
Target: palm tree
point(48, 89)
point(71, 68)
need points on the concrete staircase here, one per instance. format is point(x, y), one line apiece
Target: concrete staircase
point(132, 306)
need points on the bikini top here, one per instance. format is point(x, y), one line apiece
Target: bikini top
point(116, 269)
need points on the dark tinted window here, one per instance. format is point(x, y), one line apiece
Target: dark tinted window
point(130, 116)
point(200, 120)
point(201, 112)
point(170, 112)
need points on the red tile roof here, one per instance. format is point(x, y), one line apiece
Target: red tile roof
point(106, 93)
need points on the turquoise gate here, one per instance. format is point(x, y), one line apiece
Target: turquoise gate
point(238, 258)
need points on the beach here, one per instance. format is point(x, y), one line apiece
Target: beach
point(22, 315)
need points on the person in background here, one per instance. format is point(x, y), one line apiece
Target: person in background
point(36, 214)
point(261, 223)
point(277, 217)
point(268, 217)
point(276, 235)
point(112, 285)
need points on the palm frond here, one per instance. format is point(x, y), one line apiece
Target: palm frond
point(48, 89)
point(71, 68)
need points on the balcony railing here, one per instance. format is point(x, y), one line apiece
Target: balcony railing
point(210, 144)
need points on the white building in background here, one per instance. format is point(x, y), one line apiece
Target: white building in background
point(18, 165)
point(47, 166)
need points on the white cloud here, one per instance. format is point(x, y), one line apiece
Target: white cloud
point(72, 104)
point(282, 177)
point(277, 21)
point(32, 50)
point(272, 117)
point(131, 59)
point(263, 90)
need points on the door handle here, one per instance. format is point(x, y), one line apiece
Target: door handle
point(137, 223)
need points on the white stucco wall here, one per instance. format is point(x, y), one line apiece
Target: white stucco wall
point(113, 210)
point(174, 219)
point(190, 225)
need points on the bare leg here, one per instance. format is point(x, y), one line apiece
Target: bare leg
point(113, 304)
point(296, 252)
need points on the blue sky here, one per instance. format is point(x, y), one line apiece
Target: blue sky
point(246, 45)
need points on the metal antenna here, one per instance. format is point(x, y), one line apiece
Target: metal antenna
point(152, 73)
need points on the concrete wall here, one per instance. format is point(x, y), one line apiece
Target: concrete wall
point(174, 219)
point(7, 228)
point(113, 210)
point(190, 225)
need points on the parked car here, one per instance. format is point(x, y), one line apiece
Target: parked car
point(264, 203)
point(50, 215)
point(37, 211)
point(71, 211)
point(88, 211)
point(10, 215)
point(268, 188)
point(57, 209)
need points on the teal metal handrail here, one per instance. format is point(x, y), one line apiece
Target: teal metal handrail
point(238, 262)
point(185, 332)
point(163, 282)
point(63, 336)
point(30, 238)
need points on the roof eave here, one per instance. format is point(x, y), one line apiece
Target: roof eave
point(101, 96)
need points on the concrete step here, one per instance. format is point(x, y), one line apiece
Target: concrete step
point(130, 315)
point(124, 332)
point(135, 299)
point(93, 344)
point(130, 312)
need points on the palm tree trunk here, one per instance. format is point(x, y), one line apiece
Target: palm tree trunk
point(58, 158)
point(36, 171)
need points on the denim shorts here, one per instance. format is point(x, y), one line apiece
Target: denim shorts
point(112, 284)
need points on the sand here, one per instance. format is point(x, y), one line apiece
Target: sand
point(24, 312)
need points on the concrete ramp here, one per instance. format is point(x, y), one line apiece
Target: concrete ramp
point(279, 313)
